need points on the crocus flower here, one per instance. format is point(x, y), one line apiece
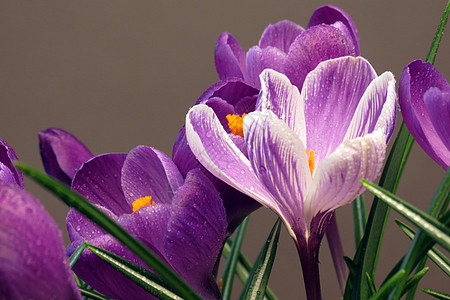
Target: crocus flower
point(182, 220)
point(424, 96)
point(33, 261)
point(288, 48)
point(306, 152)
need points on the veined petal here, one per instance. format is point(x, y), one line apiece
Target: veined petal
point(62, 153)
point(7, 158)
point(229, 57)
point(329, 14)
point(317, 44)
point(283, 99)
point(438, 107)
point(331, 93)
point(259, 59)
point(214, 149)
point(6, 175)
point(196, 232)
point(98, 179)
point(280, 35)
point(279, 159)
point(336, 181)
point(376, 109)
point(144, 175)
point(232, 91)
point(33, 262)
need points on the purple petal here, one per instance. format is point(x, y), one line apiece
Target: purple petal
point(62, 153)
point(279, 158)
point(232, 91)
point(280, 35)
point(283, 99)
point(376, 109)
point(182, 155)
point(103, 277)
point(196, 232)
point(174, 176)
point(98, 179)
point(417, 78)
point(317, 44)
point(438, 107)
point(336, 180)
point(33, 263)
point(331, 94)
point(7, 170)
point(222, 109)
point(329, 14)
point(143, 175)
point(259, 59)
point(214, 149)
point(229, 57)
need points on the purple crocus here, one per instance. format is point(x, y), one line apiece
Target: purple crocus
point(424, 96)
point(305, 152)
point(182, 220)
point(33, 261)
point(288, 48)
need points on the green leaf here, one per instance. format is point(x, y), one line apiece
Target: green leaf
point(371, 284)
point(91, 294)
point(76, 254)
point(436, 256)
point(230, 267)
point(387, 287)
point(78, 202)
point(438, 36)
point(243, 268)
point(146, 279)
point(412, 283)
point(256, 284)
point(437, 294)
point(435, 229)
point(359, 218)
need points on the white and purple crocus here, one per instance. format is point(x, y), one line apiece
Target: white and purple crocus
point(302, 153)
point(33, 261)
point(182, 220)
point(424, 97)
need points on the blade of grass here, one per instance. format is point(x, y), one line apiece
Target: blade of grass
point(78, 202)
point(76, 254)
point(359, 218)
point(388, 286)
point(93, 294)
point(436, 294)
point(256, 284)
point(230, 267)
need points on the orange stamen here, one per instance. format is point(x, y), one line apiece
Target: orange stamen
point(311, 164)
point(142, 202)
point(236, 123)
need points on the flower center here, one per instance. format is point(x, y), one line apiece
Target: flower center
point(235, 122)
point(310, 154)
point(142, 202)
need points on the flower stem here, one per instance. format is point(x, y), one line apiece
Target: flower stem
point(309, 259)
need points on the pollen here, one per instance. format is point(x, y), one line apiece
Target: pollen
point(235, 122)
point(142, 202)
point(311, 164)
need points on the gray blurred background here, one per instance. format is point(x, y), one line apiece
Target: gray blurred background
point(118, 74)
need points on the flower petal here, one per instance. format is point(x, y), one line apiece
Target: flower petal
point(438, 107)
point(232, 91)
point(219, 155)
point(62, 153)
point(280, 35)
point(317, 44)
point(376, 109)
point(259, 59)
point(329, 14)
point(336, 181)
point(196, 232)
point(283, 99)
point(33, 262)
point(331, 94)
point(7, 170)
point(229, 57)
point(98, 179)
point(143, 175)
point(279, 158)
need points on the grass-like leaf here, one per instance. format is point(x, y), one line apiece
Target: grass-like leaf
point(413, 281)
point(436, 294)
point(371, 284)
point(359, 218)
point(259, 276)
point(436, 230)
point(78, 202)
point(76, 254)
point(93, 294)
point(230, 267)
point(387, 287)
point(149, 281)
point(243, 269)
